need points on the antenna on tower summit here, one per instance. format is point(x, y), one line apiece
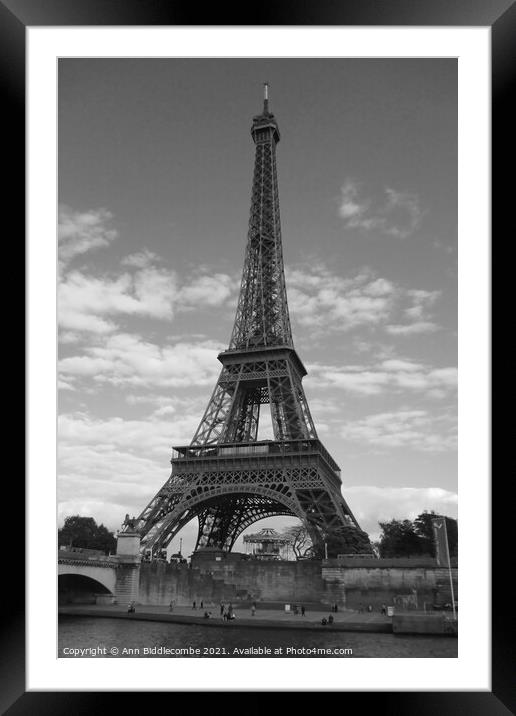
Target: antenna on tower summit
point(266, 98)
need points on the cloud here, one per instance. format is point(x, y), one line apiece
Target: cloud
point(405, 208)
point(65, 384)
point(91, 304)
point(87, 303)
point(80, 232)
point(207, 290)
point(371, 504)
point(418, 312)
point(350, 205)
point(141, 259)
point(395, 364)
point(148, 436)
point(356, 381)
point(412, 328)
point(155, 292)
point(125, 359)
point(391, 375)
point(165, 405)
point(320, 299)
point(408, 429)
point(110, 466)
point(397, 214)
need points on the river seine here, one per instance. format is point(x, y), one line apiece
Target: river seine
point(87, 637)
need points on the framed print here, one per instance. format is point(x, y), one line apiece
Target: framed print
point(139, 151)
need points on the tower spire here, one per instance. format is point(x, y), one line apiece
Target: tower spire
point(266, 98)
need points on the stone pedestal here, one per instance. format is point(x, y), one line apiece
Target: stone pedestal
point(128, 544)
point(128, 570)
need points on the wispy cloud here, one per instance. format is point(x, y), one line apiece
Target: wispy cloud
point(392, 375)
point(83, 231)
point(110, 466)
point(412, 328)
point(418, 314)
point(352, 206)
point(408, 429)
point(127, 359)
point(397, 214)
point(87, 303)
point(318, 296)
point(321, 299)
point(91, 302)
point(140, 259)
point(207, 290)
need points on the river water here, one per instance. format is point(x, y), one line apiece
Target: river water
point(103, 637)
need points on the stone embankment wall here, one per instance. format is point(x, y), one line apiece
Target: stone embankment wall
point(238, 581)
point(290, 582)
point(408, 587)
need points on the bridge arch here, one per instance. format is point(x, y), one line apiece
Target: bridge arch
point(81, 584)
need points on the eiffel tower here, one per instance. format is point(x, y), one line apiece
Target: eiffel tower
point(226, 477)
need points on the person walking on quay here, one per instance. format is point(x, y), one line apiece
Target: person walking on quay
point(171, 606)
point(202, 606)
point(194, 605)
point(253, 610)
point(330, 619)
point(302, 610)
point(222, 609)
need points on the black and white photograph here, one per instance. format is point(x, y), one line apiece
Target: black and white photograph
point(259, 272)
point(257, 312)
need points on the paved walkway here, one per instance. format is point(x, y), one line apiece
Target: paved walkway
point(275, 614)
point(275, 618)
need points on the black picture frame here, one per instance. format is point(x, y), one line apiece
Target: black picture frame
point(500, 16)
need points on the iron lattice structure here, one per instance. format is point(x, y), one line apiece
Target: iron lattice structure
point(226, 477)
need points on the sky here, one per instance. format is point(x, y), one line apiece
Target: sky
point(155, 169)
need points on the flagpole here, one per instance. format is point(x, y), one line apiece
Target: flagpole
point(449, 568)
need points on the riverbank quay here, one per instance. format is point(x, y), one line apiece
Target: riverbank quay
point(269, 619)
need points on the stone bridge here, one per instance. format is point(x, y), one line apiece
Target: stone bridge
point(84, 577)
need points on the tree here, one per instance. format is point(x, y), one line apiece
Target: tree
point(406, 538)
point(423, 527)
point(400, 539)
point(301, 542)
point(84, 532)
